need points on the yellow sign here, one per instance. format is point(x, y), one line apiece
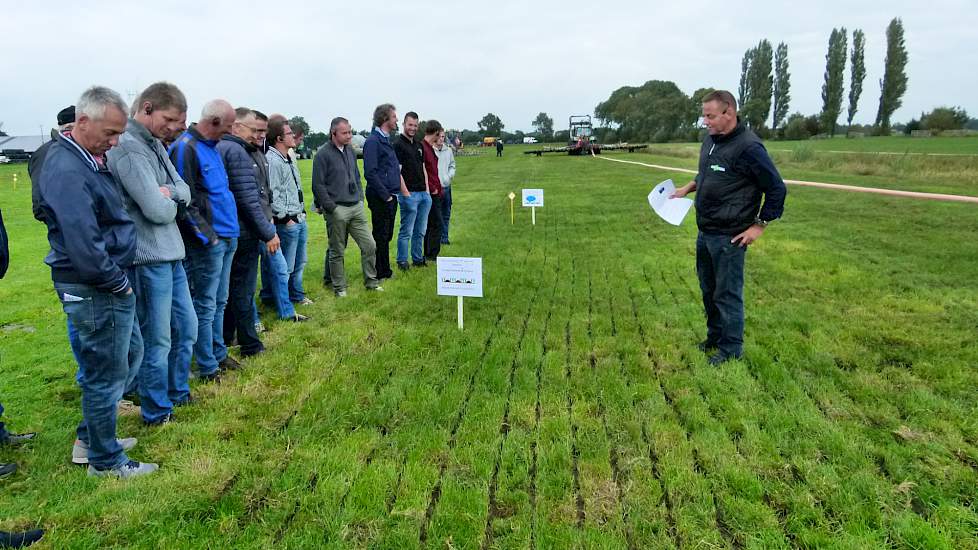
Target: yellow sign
point(512, 213)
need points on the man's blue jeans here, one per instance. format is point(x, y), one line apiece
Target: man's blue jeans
point(294, 239)
point(110, 349)
point(168, 323)
point(414, 223)
point(209, 273)
point(446, 212)
point(720, 268)
point(275, 282)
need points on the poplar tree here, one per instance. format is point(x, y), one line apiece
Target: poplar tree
point(894, 82)
point(834, 85)
point(782, 85)
point(857, 64)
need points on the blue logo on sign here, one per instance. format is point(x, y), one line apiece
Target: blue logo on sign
point(531, 198)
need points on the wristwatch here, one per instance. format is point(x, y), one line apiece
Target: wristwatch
point(760, 222)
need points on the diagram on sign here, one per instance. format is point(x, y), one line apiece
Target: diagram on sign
point(533, 198)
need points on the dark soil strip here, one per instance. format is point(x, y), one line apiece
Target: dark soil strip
point(392, 498)
point(537, 413)
point(657, 474)
point(575, 452)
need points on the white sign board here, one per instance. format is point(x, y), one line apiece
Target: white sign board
point(670, 210)
point(460, 277)
point(533, 197)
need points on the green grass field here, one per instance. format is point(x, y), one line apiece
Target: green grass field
point(574, 410)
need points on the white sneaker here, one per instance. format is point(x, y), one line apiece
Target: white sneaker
point(79, 453)
point(376, 289)
point(126, 471)
point(259, 327)
point(306, 302)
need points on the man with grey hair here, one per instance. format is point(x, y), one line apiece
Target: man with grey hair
point(339, 193)
point(93, 243)
point(210, 230)
point(152, 192)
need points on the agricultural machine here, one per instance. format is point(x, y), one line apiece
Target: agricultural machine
point(580, 140)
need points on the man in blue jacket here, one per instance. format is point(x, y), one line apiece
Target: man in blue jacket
point(93, 243)
point(210, 230)
point(383, 175)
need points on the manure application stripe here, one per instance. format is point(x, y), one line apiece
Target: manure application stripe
point(834, 186)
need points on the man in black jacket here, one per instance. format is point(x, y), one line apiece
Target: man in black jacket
point(735, 172)
point(66, 121)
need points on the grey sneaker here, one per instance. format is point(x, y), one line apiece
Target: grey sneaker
point(79, 453)
point(128, 470)
point(375, 289)
point(126, 407)
point(341, 294)
point(305, 302)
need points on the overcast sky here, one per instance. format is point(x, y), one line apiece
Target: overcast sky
point(456, 61)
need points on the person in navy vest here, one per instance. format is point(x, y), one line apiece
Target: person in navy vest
point(735, 174)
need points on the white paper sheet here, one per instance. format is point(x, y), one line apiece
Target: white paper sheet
point(670, 210)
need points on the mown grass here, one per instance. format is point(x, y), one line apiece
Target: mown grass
point(574, 411)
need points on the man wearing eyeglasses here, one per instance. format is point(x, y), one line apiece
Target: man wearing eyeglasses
point(735, 174)
point(336, 184)
point(246, 169)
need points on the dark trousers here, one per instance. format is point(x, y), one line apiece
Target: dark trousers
point(432, 237)
point(239, 317)
point(382, 215)
point(720, 268)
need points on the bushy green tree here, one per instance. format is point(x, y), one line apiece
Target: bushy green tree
point(657, 109)
point(299, 125)
point(491, 125)
point(796, 128)
point(544, 126)
point(944, 118)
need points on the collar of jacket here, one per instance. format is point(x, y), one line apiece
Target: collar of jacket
point(82, 153)
point(279, 153)
point(738, 129)
point(137, 129)
point(248, 147)
point(193, 131)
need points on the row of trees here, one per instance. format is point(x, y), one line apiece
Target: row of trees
point(765, 79)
